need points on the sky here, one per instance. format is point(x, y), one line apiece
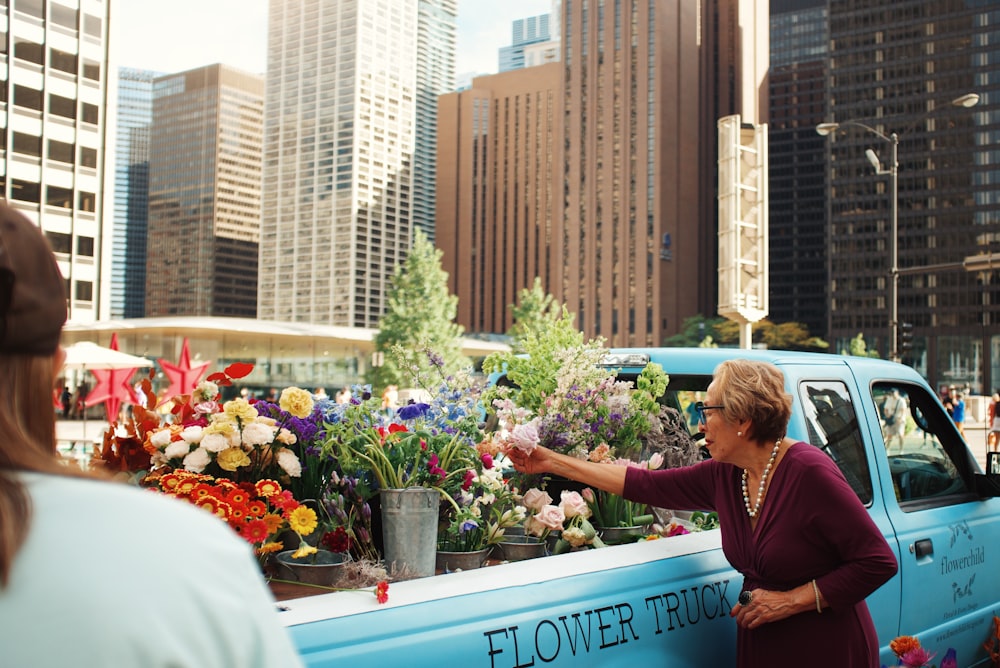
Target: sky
point(180, 35)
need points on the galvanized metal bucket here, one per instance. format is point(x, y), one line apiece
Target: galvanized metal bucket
point(409, 530)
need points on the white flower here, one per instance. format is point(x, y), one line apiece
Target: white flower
point(525, 436)
point(197, 460)
point(192, 434)
point(289, 463)
point(206, 391)
point(177, 449)
point(215, 442)
point(161, 439)
point(257, 433)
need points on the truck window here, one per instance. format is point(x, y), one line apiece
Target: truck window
point(833, 427)
point(917, 433)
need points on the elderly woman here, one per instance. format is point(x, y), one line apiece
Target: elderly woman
point(808, 550)
point(95, 573)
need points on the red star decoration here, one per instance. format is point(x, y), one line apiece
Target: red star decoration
point(112, 387)
point(183, 376)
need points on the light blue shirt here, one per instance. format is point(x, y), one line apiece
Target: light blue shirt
point(111, 575)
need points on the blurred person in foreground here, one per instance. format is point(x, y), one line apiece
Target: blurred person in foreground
point(92, 572)
point(807, 548)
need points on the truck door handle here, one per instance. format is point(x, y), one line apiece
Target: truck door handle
point(923, 548)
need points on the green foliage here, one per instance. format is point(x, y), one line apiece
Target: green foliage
point(537, 373)
point(535, 311)
point(420, 317)
point(858, 348)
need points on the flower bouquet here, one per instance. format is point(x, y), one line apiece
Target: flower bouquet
point(262, 513)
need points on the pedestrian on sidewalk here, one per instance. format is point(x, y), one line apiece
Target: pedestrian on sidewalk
point(128, 613)
point(993, 438)
point(958, 411)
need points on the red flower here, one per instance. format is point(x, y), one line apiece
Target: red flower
point(382, 592)
point(336, 540)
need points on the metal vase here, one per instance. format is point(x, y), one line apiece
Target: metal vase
point(409, 530)
point(461, 561)
point(324, 568)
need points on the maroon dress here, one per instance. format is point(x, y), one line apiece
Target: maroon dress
point(812, 526)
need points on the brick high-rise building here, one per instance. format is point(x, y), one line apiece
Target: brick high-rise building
point(631, 244)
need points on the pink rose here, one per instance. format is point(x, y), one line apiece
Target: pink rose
point(550, 517)
point(535, 499)
point(525, 437)
point(573, 505)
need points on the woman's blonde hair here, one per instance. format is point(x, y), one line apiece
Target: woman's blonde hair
point(754, 391)
point(28, 425)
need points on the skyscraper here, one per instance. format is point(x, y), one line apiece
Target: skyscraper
point(896, 67)
point(799, 253)
point(498, 192)
point(345, 88)
point(628, 240)
point(204, 193)
point(436, 47)
point(56, 85)
point(128, 267)
point(524, 32)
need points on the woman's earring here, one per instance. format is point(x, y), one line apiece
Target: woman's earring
point(740, 434)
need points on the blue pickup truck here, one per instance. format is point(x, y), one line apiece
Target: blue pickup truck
point(666, 602)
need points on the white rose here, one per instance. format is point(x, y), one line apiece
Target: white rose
point(289, 463)
point(197, 460)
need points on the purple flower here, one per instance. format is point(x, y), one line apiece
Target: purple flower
point(412, 411)
point(468, 525)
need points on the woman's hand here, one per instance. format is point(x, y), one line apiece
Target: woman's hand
point(772, 606)
point(539, 460)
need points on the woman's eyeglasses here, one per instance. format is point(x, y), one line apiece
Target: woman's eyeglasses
point(700, 408)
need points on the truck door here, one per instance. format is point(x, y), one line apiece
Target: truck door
point(948, 538)
point(832, 418)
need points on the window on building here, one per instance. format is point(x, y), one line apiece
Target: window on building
point(26, 97)
point(91, 69)
point(90, 113)
point(62, 61)
point(33, 8)
point(29, 51)
point(61, 243)
point(85, 246)
point(88, 157)
point(62, 106)
point(60, 151)
point(25, 191)
point(64, 16)
point(86, 201)
point(84, 291)
point(27, 144)
point(60, 197)
point(92, 25)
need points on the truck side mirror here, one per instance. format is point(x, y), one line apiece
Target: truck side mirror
point(989, 485)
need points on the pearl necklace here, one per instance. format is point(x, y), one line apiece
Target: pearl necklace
point(752, 512)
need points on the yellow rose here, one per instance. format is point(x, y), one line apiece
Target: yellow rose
point(240, 409)
point(296, 401)
point(231, 459)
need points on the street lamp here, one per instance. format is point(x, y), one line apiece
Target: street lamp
point(824, 129)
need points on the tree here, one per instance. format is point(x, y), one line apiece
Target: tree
point(698, 331)
point(535, 311)
point(418, 330)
